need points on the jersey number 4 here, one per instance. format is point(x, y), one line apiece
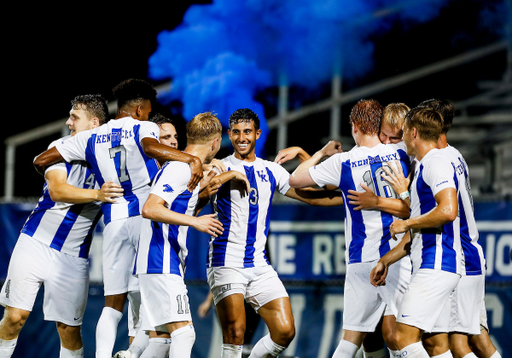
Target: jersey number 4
point(378, 184)
point(119, 156)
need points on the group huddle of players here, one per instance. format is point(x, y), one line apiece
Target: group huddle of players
point(415, 270)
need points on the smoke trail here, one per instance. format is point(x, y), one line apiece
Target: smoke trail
point(223, 53)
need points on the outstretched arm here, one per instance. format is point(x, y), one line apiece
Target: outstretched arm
point(45, 159)
point(380, 271)
point(316, 197)
point(290, 153)
point(369, 201)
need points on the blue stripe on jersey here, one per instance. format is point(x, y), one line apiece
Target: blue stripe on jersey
point(179, 205)
point(449, 255)
point(151, 164)
point(224, 216)
point(85, 247)
point(385, 218)
point(471, 254)
point(252, 224)
point(156, 248)
point(273, 185)
point(358, 229)
point(427, 203)
point(33, 221)
point(66, 226)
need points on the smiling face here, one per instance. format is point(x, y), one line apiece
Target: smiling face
point(168, 135)
point(80, 120)
point(243, 136)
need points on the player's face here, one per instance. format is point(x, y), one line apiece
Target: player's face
point(390, 135)
point(168, 135)
point(243, 136)
point(80, 120)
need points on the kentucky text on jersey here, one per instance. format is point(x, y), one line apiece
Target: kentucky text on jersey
point(377, 159)
point(114, 137)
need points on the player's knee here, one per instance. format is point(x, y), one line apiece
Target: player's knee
point(284, 335)
point(15, 318)
point(234, 333)
point(70, 336)
point(389, 338)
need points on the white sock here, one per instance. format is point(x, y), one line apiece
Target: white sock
point(139, 344)
point(447, 354)
point(377, 354)
point(106, 332)
point(182, 341)
point(414, 350)
point(496, 355)
point(231, 351)
point(470, 355)
point(7, 347)
point(157, 347)
point(265, 347)
point(66, 353)
point(345, 349)
point(394, 354)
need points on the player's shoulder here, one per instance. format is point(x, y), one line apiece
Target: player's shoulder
point(57, 141)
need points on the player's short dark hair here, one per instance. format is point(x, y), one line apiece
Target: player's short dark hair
point(428, 122)
point(443, 106)
point(366, 115)
point(92, 103)
point(159, 118)
point(244, 115)
point(133, 91)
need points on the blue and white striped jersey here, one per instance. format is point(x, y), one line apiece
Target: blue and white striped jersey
point(65, 227)
point(435, 248)
point(115, 154)
point(367, 236)
point(246, 218)
point(163, 247)
point(473, 253)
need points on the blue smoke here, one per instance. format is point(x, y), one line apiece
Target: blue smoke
point(224, 53)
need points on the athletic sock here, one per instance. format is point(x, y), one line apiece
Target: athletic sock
point(231, 351)
point(414, 350)
point(496, 355)
point(266, 347)
point(139, 344)
point(394, 354)
point(106, 332)
point(182, 341)
point(7, 347)
point(66, 353)
point(345, 349)
point(377, 354)
point(447, 354)
point(157, 347)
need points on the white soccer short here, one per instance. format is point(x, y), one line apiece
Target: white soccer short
point(120, 241)
point(426, 297)
point(65, 279)
point(466, 304)
point(483, 315)
point(365, 304)
point(259, 285)
point(135, 313)
point(164, 299)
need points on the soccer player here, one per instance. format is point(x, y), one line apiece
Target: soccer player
point(124, 151)
point(436, 243)
point(237, 265)
point(54, 243)
point(367, 232)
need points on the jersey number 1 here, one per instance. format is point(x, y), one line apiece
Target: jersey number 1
point(121, 151)
point(383, 188)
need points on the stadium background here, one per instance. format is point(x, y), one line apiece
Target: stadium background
point(317, 48)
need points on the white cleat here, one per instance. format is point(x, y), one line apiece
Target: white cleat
point(123, 354)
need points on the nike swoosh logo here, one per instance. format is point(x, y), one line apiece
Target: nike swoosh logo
point(76, 318)
point(405, 315)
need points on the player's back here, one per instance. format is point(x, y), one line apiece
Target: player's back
point(115, 153)
point(62, 226)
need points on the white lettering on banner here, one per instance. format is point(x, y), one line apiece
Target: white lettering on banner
point(322, 254)
point(286, 254)
point(489, 254)
point(504, 245)
point(332, 303)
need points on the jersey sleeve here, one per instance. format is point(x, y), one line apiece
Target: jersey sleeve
point(439, 174)
point(149, 130)
point(60, 165)
point(328, 172)
point(172, 181)
point(282, 178)
point(74, 148)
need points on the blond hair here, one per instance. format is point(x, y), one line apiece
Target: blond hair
point(203, 128)
point(394, 115)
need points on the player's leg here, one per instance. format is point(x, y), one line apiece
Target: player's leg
point(12, 322)
point(482, 345)
point(408, 339)
point(436, 344)
point(183, 337)
point(71, 345)
point(373, 344)
point(159, 344)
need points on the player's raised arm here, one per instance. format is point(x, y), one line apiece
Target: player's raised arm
point(379, 272)
point(290, 153)
point(153, 149)
point(47, 158)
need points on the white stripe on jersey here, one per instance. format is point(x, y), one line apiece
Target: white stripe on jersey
point(65, 227)
point(246, 219)
point(473, 253)
point(163, 247)
point(367, 234)
point(114, 153)
point(435, 248)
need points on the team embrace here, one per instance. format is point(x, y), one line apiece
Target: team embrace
point(415, 270)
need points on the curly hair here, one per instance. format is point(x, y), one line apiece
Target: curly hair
point(92, 103)
point(161, 119)
point(443, 106)
point(428, 122)
point(133, 91)
point(203, 128)
point(366, 115)
point(244, 115)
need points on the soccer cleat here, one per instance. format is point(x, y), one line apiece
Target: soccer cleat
point(123, 354)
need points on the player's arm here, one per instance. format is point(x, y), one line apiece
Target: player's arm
point(290, 153)
point(162, 153)
point(45, 159)
point(445, 212)
point(316, 197)
point(61, 191)
point(369, 201)
point(398, 181)
point(301, 178)
point(155, 210)
point(380, 271)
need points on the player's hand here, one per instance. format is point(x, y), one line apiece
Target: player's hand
point(331, 148)
point(109, 192)
point(209, 185)
point(209, 225)
point(244, 181)
point(287, 154)
point(361, 201)
point(379, 274)
point(217, 164)
point(204, 307)
point(397, 227)
point(395, 177)
point(196, 168)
